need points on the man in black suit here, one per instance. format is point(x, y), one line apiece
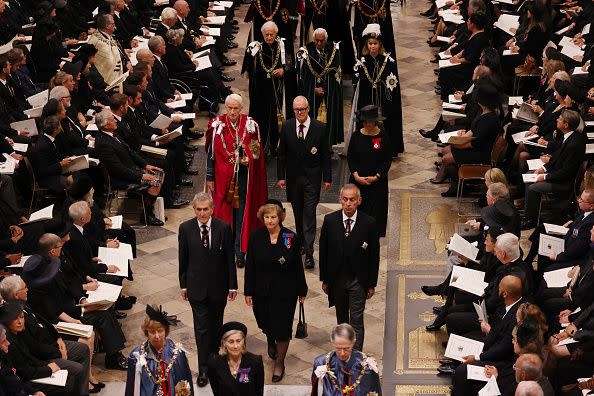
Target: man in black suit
point(160, 77)
point(498, 349)
point(126, 169)
point(349, 260)
point(303, 162)
point(207, 275)
point(558, 175)
point(50, 159)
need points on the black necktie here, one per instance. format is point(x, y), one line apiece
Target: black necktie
point(300, 134)
point(347, 230)
point(205, 236)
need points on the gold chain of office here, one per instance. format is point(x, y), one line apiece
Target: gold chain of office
point(276, 59)
point(381, 12)
point(347, 388)
point(236, 134)
point(164, 374)
point(375, 81)
point(261, 11)
point(327, 68)
point(317, 7)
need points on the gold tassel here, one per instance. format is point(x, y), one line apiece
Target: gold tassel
point(322, 112)
point(280, 119)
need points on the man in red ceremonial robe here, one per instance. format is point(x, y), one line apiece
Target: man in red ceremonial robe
point(235, 172)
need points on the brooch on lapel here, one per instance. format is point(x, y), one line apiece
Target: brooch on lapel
point(376, 143)
point(282, 260)
point(243, 375)
point(314, 150)
point(288, 239)
point(364, 246)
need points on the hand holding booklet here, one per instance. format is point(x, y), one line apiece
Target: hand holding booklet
point(162, 121)
point(481, 311)
point(555, 229)
point(491, 388)
point(521, 137)
point(42, 214)
point(557, 278)
point(463, 247)
point(459, 347)
point(75, 329)
point(57, 379)
point(549, 245)
point(115, 256)
point(476, 373)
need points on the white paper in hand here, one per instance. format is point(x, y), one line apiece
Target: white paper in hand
point(491, 388)
point(476, 373)
point(458, 347)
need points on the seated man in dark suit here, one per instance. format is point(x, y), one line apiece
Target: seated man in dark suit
point(498, 348)
point(126, 168)
point(50, 160)
point(558, 175)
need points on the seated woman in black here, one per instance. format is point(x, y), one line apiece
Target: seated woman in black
point(484, 130)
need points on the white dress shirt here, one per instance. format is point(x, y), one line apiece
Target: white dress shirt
point(305, 127)
point(353, 218)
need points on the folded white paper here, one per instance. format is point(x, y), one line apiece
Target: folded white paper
point(116, 222)
point(476, 373)
point(555, 229)
point(452, 99)
point(557, 278)
point(515, 100)
point(162, 121)
point(491, 388)
point(57, 379)
point(458, 347)
point(520, 137)
point(176, 104)
point(534, 164)
point(28, 126)
point(42, 214)
point(549, 245)
point(20, 147)
point(39, 99)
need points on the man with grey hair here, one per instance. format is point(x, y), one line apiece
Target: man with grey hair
point(111, 61)
point(557, 176)
point(529, 388)
point(168, 20)
point(75, 138)
point(127, 170)
point(240, 169)
point(269, 65)
point(319, 79)
point(207, 275)
point(303, 166)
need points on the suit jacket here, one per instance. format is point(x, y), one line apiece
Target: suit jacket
point(30, 357)
point(577, 239)
point(130, 129)
point(564, 163)
point(224, 384)
point(162, 87)
point(188, 41)
point(206, 273)
point(309, 159)
point(359, 252)
point(82, 254)
point(47, 163)
point(123, 164)
point(498, 343)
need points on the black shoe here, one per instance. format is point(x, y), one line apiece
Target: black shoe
point(231, 37)
point(450, 192)
point(117, 361)
point(94, 389)
point(436, 325)
point(437, 310)
point(152, 220)
point(278, 378)
point(435, 44)
point(234, 22)
point(191, 171)
point(202, 380)
point(446, 369)
point(240, 261)
point(120, 315)
point(191, 147)
point(434, 60)
point(177, 203)
point(426, 133)
point(226, 78)
point(228, 62)
point(194, 135)
point(231, 44)
point(432, 290)
point(434, 180)
point(309, 262)
point(527, 224)
point(447, 362)
point(184, 181)
point(122, 304)
point(271, 349)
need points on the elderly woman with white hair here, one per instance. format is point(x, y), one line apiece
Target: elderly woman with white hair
point(345, 371)
point(269, 65)
point(235, 171)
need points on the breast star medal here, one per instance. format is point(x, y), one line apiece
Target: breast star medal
point(282, 260)
point(314, 150)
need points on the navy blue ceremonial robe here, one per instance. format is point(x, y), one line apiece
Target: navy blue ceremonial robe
point(346, 373)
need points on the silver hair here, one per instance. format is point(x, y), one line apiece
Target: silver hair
point(144, 54)
point(320, 31)
point(201, 197)
point(102, 118)
point(529, 388)
point(155, 43)
point(9, 286)
point(510, 244)
point(303, 98)
point(350, 186)
point(168, 13)
point(175, 34)
point(561, 75)
point(269, 25)
point(59, 92)
point(235, 97)
point(343, 330)
point(78, 210)
point(498, 191)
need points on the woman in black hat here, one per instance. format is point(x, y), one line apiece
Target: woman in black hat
point(91, 85)
point(376, 76)
point(483, 132)
point(369, 159)
point(235, 371)
point(158, 366)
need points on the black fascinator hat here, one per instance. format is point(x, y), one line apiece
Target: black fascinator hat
point(158, 315)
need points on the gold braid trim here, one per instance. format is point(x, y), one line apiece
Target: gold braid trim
point(380, 13)
point(317, 7)
point(276, 59)
point(379, 75)
point(327, 68)
point(164, 375)
point(347, 388)
point(261, 11)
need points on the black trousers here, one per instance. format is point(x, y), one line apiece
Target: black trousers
point(208, 319)
point(108, 328)
point(304, 200)
point(349, 299)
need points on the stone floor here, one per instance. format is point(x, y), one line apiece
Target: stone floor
point(156, 266)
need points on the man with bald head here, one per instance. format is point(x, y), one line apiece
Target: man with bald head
point(529, 369)
point(498, 349)
point(303, 163)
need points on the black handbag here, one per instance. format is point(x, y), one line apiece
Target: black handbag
point(301, 331)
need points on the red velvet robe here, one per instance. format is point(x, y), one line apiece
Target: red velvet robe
point(257, 193)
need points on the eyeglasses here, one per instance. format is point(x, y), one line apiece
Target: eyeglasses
point(300, 110)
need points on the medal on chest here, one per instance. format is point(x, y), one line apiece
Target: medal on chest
point(376, 143)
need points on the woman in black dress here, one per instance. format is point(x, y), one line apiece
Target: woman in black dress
point(235, 371)
point(483, 131)
point(376, 76)
point(274, 281)
point(369, 161)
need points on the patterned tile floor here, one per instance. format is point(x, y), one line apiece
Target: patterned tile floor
point(156, 266)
